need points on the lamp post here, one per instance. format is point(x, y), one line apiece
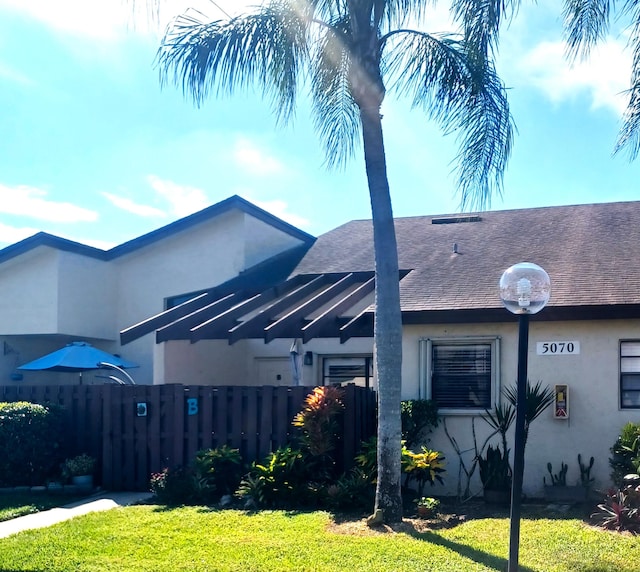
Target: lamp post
point(524, 290)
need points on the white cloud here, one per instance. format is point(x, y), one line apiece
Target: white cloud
point(31, 202)
point(128, 205)
point(603, 76)
point(183, 200)
point(280, 209)
point(109, 19)
point(11, 234)
point(249, 157)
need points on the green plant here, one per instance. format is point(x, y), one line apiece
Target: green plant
point(537, 399)
point(77, 466)
point(32, 442)
point(285, 479)
point(425, 467)
point(173, 487)
point(367, 458)
point(216, 472)
point(352, 490)
point(495, 471)
point(418, 416)
point(428, 502)
point(625, 457)
point(558, 479)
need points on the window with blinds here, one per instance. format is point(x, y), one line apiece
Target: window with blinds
point(460, 375)
point(630, 375)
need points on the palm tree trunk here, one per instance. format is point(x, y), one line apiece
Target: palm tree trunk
point(388, 320)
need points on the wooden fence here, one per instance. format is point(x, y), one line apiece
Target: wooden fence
point(137, 430)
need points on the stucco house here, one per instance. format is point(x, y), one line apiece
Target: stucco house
point(459, 343)
point(232, 294)
point(54, 291)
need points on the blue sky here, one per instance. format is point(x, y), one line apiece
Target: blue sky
point(95, 151)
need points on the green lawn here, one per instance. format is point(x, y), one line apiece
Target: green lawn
point(18, 504)
point(152, 538)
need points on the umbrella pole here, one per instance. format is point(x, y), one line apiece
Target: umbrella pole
point(80, 376)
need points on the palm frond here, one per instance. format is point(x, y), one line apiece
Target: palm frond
point(481, 21)
point(629, 135)
point(336, 116)
point(268, 48)
point(465, 95)
point(586, 22)
point(538, 398)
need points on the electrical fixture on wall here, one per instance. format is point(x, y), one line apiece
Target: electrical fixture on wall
point(308, 358)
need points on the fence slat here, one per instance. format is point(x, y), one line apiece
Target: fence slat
point(103, 420)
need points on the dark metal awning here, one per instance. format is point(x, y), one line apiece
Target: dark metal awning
point(306, 306)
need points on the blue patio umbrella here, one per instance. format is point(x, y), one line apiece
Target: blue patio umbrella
point(76, 356)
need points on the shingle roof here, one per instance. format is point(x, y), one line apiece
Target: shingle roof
point(454, 264)
point(591, 253)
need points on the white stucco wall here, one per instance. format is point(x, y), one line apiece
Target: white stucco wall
point(29, 286)
point(215, 362)
point(86, 299)
point(595, 418)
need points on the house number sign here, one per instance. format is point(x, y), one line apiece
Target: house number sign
point(557, 348)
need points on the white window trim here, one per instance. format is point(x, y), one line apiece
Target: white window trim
point(425, 368)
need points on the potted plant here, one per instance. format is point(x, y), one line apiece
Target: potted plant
point(427, 506)
point(79, 470)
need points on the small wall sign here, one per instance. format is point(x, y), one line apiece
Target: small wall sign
point(561, 402)
point(141, 409)
point(558, 348)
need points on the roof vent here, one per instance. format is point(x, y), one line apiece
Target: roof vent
point(456, 219)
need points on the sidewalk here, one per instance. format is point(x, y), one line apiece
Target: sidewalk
point(98, 502)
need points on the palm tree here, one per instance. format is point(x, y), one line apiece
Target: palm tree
point(347, 53)
point(587, 23)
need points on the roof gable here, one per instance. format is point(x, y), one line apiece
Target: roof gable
point(233, 202)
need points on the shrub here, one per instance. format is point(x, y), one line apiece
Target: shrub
point(210, 475)
point(318, 419)
point(625, 457)
point(217, 472)
point(31, 443)
point(76, 466)
point(425, 467)
point(287, 478)
point(174, 486)
point(418, 417)
point(620, 510)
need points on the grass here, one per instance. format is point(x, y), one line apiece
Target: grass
point(153, 538)
point(20, 503)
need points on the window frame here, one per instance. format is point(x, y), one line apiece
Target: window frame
point(425, 369)
point(621, 373)
point(367, 361)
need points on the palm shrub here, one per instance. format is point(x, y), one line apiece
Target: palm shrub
point(32, 442)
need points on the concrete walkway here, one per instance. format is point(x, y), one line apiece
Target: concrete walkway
point(98, 502)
